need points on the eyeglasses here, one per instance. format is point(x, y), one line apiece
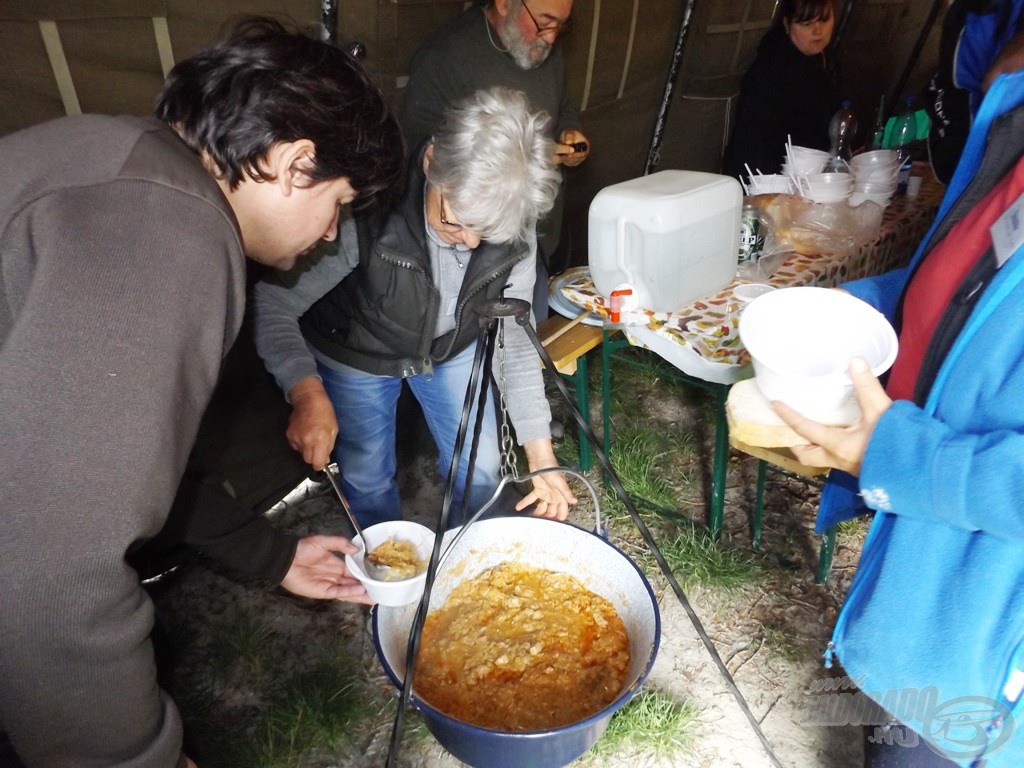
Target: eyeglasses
point(558, 27)
point(440, 213)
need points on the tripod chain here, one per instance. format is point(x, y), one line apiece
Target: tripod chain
point(509, 467)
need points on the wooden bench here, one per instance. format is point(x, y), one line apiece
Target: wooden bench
point(784, 459)
point(568, 341)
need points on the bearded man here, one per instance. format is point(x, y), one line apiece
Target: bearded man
point(512, 44)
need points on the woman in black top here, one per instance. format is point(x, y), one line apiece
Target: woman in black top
point(789, 90)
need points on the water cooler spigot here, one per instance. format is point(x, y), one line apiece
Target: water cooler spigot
point(616, 303)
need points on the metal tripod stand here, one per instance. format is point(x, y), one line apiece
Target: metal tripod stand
point(492, 313)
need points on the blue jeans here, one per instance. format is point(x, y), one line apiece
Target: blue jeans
point(365, 406)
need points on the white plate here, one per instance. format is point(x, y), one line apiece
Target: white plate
point(561, 304)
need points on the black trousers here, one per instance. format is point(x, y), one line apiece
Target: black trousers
point(896, 746)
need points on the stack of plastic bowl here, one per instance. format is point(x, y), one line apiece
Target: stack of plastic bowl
point(875, 175)
point(769, 184)
point(827, 187)
point(802, 161)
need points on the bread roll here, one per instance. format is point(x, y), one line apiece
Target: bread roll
point(753, 421)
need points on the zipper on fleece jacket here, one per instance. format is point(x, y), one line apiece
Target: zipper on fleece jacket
point(866, 574)
point(1010, 697)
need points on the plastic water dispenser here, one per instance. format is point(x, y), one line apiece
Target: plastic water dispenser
point(661, 241)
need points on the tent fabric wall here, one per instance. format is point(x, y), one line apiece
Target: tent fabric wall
point(617, 54)
point(116, 51)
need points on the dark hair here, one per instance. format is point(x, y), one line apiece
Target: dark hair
point(804, 10)
point(265, 84)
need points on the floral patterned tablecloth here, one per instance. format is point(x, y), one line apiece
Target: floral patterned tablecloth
point(706, 331)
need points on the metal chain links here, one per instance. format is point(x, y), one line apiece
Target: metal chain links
point(509, 467)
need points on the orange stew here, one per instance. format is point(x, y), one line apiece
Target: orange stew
point(522, 649)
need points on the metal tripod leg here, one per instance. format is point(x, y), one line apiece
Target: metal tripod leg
point(485, 344)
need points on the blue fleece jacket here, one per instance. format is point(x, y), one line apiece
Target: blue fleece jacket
point(937, 604)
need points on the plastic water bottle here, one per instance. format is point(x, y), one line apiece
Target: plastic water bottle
point(840, 131)
point(878, 138)
point(904, 139)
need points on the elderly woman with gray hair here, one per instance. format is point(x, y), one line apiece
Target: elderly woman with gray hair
point(394, 301)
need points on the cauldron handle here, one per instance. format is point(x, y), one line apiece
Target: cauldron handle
point(599, 529)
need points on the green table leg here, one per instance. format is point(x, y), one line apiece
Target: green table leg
point(716, 511)
point(581, 380)
point(720, 456)
point(606, 393)
point(828, 548)
point(756, 526)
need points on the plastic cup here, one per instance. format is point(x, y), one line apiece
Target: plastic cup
point(747, 292)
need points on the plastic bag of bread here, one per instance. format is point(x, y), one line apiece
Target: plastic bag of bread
point(797, 224)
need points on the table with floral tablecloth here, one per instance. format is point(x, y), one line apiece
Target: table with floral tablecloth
point(702, 338)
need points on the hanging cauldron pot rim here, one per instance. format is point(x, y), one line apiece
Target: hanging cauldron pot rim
point(542, 543)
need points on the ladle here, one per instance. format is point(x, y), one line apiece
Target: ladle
point(373, 570)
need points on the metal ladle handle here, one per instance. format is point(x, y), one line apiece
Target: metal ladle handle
point(331, 470)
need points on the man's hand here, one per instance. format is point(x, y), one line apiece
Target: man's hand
point(319, 573)
point(841, 447)
point(572, 148)
point(551, 492)
point(312, 426)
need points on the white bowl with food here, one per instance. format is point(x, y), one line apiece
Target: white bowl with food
point(802, 340)
point(403, 548)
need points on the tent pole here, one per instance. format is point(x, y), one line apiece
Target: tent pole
point(915, 54)
point(670, 83)
point(841, 24)
point(329, 20)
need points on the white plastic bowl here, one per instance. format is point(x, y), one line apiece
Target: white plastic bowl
point(747, 292)
point(857, 198)
point(874, 158)
point(393, 593)
point(836, 195)
point(875, 175)
point(804, 160)
point(827, 187)
point(769, 183)
point(802, 340)
point(796, 151)
point(876, 187)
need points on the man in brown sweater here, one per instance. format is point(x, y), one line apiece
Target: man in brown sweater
point(122, 276)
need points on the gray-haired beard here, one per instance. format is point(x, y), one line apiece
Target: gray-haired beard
point(526, 55)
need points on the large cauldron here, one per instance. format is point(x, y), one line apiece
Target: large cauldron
point(540, 543)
